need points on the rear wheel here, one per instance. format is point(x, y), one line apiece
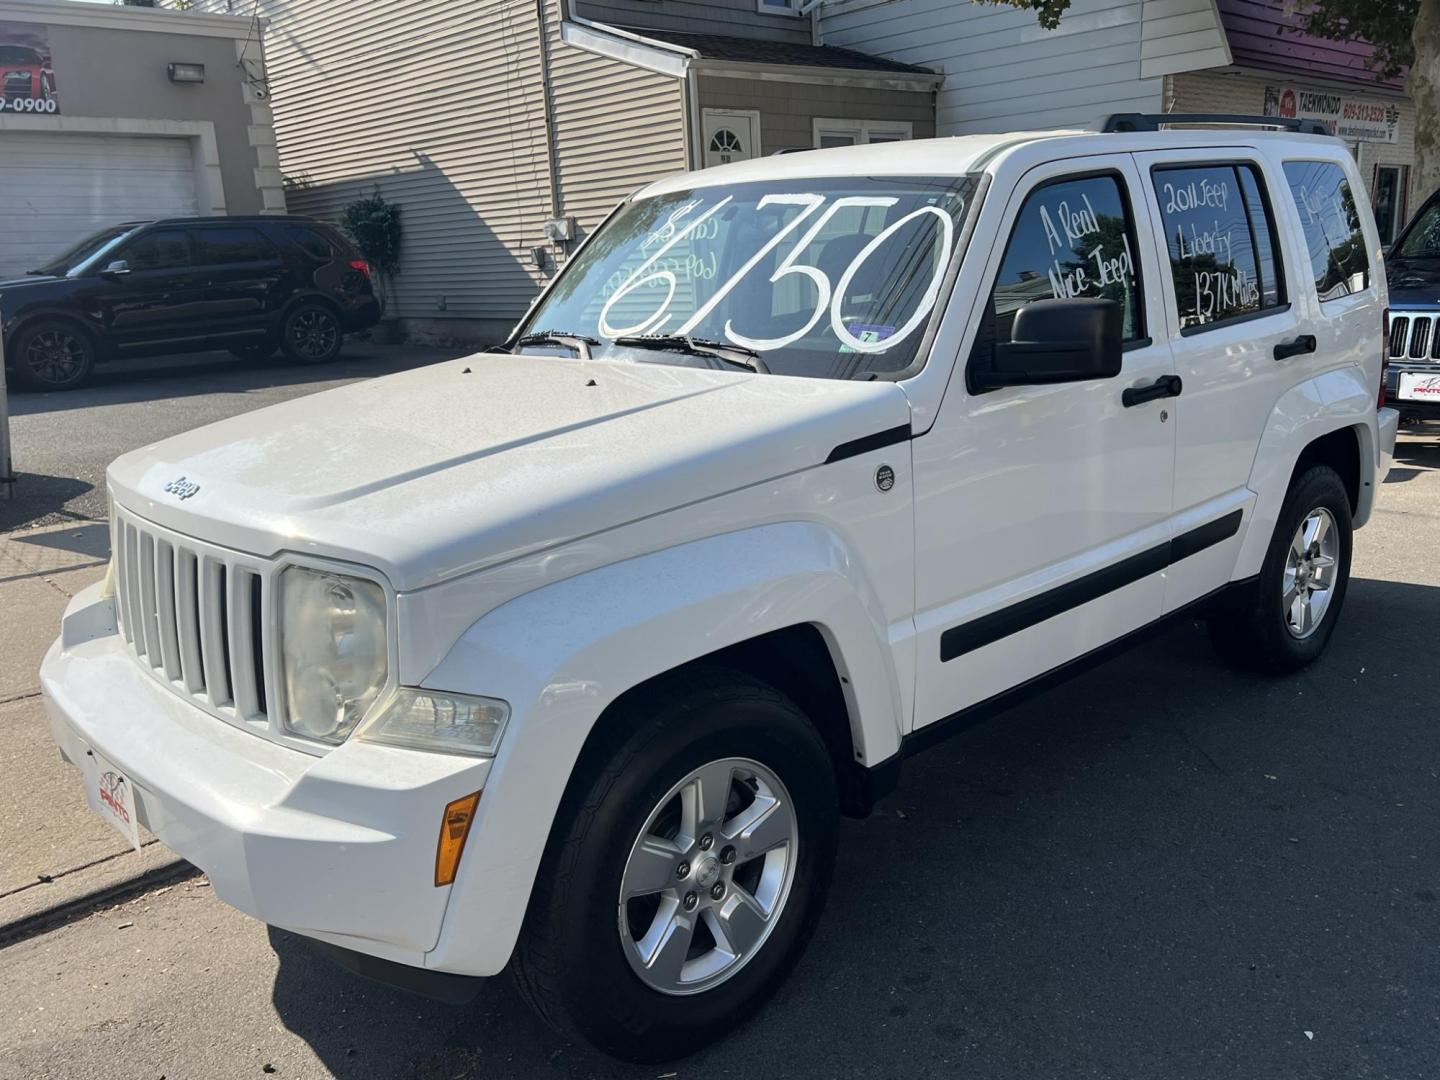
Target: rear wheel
point(312, 335)
point(685, 872)
point(1283, 620)
point(53, 354)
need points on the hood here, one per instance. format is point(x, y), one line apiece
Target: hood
point(32, 279)
point(1413, 282)
point(451, 468)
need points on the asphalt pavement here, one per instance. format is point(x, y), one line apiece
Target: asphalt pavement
point(1162, 870)
point(64, 441)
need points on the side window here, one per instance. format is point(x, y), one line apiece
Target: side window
point(231, 245)
point(1221, 237)
point(309, 241)
point(164, 250)
point(1331, 223)
point(1073, 238)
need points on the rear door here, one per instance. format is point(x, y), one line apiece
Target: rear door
point(1237, 334)
point(243, 278)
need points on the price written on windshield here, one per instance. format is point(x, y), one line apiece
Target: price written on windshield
point(661, 271)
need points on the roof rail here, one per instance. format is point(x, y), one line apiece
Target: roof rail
point(1154, 122)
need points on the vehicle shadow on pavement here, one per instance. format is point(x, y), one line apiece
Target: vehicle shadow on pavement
point(1163, 868)
point(36, 497)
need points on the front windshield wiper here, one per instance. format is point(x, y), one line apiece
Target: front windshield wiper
point(579, 342)
point(38, 273)
point(738, 355)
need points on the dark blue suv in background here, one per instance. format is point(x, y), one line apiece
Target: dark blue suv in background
point(248, 284)
point(1412, 266)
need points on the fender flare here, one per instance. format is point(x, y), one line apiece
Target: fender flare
point(560, 655)
point(1332, 401)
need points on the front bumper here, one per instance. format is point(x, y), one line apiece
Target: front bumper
point(1422, 410)
point(339, 847)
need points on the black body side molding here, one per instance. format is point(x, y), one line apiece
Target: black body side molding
point(988, 629)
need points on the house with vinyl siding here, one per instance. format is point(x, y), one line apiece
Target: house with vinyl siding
point(1004, 72)
point(507, 129)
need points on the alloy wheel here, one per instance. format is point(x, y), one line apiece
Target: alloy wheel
point(1310, 569)
point(708, 877)
point(313, 334)
point(55, 357)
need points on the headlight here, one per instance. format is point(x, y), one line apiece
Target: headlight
point(449, 723)
point(334, 658)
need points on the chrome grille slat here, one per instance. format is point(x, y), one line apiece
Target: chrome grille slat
point(197, 615)
point(1414, 337)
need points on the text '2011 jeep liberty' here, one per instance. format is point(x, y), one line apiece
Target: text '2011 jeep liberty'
point(569, 659)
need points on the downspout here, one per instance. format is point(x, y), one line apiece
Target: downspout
point(548, 105)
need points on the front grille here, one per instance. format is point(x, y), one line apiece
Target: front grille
point(1413, 337)
point(196, 615)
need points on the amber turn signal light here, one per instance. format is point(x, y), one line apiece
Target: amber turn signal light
point(454, 828)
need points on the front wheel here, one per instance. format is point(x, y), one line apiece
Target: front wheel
point(53, 354)
point(685, 872)
point(312, 335)
point(1284, 618)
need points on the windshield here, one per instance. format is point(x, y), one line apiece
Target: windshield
point(831, 278)
point(1422, 239)
point(18, 54)
point(71, 260)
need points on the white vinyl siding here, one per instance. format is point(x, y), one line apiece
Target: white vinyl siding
point(1003, 72)
point(60, 186)
point(440, 106)
point(616, 127)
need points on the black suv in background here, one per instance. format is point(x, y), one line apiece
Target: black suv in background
point(1412, 267)
point(248, 284)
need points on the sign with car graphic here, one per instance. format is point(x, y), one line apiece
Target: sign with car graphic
point(27, 76)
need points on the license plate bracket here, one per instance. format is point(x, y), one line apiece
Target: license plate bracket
point(111, 794)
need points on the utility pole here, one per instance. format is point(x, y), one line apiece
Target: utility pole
point(7, 474)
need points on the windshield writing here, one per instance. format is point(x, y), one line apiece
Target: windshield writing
point(824, 278)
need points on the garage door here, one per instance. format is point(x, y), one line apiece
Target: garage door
point(57, 187)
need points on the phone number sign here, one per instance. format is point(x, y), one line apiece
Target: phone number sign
point(1356, 119)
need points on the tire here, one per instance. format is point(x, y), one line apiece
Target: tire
point(1260, 628)
point(312, 334)
point(254, 353)
point(577, 962)
point(53, 354)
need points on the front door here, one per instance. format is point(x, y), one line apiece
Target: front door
point(731, 135)
point(150, 301)
point(1042, 512)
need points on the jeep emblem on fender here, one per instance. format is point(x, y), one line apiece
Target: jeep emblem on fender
point(182, 488)
point(884, 478)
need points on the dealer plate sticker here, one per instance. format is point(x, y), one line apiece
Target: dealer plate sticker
point(112, 796)
point(1417, 386)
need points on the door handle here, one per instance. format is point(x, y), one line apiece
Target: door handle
point(1163, 387)
point(1305, 343)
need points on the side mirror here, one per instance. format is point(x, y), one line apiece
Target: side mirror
point(117, 269)
point(1055, 341)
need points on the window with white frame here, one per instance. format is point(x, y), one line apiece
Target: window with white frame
point(779, 7)
point(854, 132)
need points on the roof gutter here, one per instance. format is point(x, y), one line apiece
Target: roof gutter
point(627, 47)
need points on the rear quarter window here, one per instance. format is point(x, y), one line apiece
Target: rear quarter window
point(1330, 220)
point(310, 241)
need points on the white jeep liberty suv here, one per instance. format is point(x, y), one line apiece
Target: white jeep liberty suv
point(569, 659)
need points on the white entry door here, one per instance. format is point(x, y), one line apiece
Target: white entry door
point(730, 135)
